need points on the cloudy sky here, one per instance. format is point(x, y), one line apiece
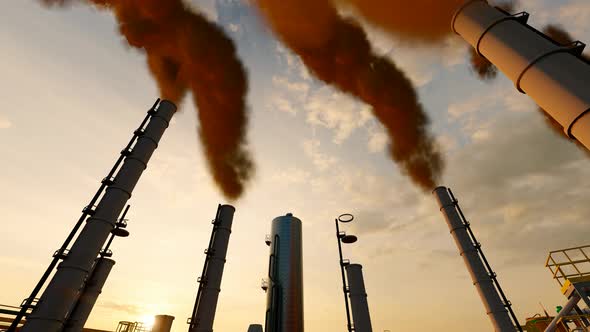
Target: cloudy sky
point(73, 92)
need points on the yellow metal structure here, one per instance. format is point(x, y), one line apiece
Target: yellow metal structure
point(570, 263)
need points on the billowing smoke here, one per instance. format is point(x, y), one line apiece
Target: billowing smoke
point(185, 52)
point(481, 66)
point(337, 51)
point(411, 20)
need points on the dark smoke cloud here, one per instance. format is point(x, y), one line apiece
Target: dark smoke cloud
point(337, 52)
point(185, 52)
point(481, 66)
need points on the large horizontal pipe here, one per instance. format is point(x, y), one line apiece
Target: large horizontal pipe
point(553, 75)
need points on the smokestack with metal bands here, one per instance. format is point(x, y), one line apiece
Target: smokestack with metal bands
point(210, 281)
point(358, 298)
point(77, 319)
point(63, 290)
point(482, 278)
point(162, 323)
point(555, 76)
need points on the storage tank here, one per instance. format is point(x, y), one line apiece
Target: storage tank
point(285, 288)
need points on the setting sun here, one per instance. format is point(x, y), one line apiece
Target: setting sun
point(148, 321)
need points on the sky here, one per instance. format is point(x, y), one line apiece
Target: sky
point(73, 93)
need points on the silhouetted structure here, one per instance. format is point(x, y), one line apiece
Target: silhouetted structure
point(284, 309)
point(497, 306)
point(162, 323)
point(63, 291)
point(210, 280)
point(358, 298)
point(255, 328)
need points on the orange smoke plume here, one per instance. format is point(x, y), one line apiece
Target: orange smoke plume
point(416, 20)
point(337, 52)
point(185, 52)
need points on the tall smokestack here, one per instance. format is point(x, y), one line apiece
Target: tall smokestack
point(89, 295)
point(284, 310)
point(63, 290)
point(554, 76)
point(162, 323)
point(358, 298)
point(255, 328)
point(210, 281)
point(483, 277)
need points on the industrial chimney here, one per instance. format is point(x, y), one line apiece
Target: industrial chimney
point(63, 290)
point(497, 306)
point(210, 280)
point(554, 76)
point(284, 310)
point(89, 295)
point(255, 328)
point(162, 323)
point(358, 298)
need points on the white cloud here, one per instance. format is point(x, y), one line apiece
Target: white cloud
point(377, 140)
point(5, 123)
point(291, 176)
point(576, 15)
point(337, 111)
point(299, 88)
point(283, 104)
point(322, 161)
point(233, 27)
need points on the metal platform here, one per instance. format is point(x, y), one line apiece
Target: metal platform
point(569, 263)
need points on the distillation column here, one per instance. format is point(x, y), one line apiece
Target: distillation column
point(554, 76)
point(358, 298)
point(482, 278)
point(210, 281)
point(63, 290)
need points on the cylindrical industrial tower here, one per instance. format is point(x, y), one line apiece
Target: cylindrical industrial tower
point(358, 298)
point(553, 75)
point(284, 311)
point(255, 328)
point(64, 288)
point(162, 323)
point(482, 278)
point(89, 295)
point(210, 281)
